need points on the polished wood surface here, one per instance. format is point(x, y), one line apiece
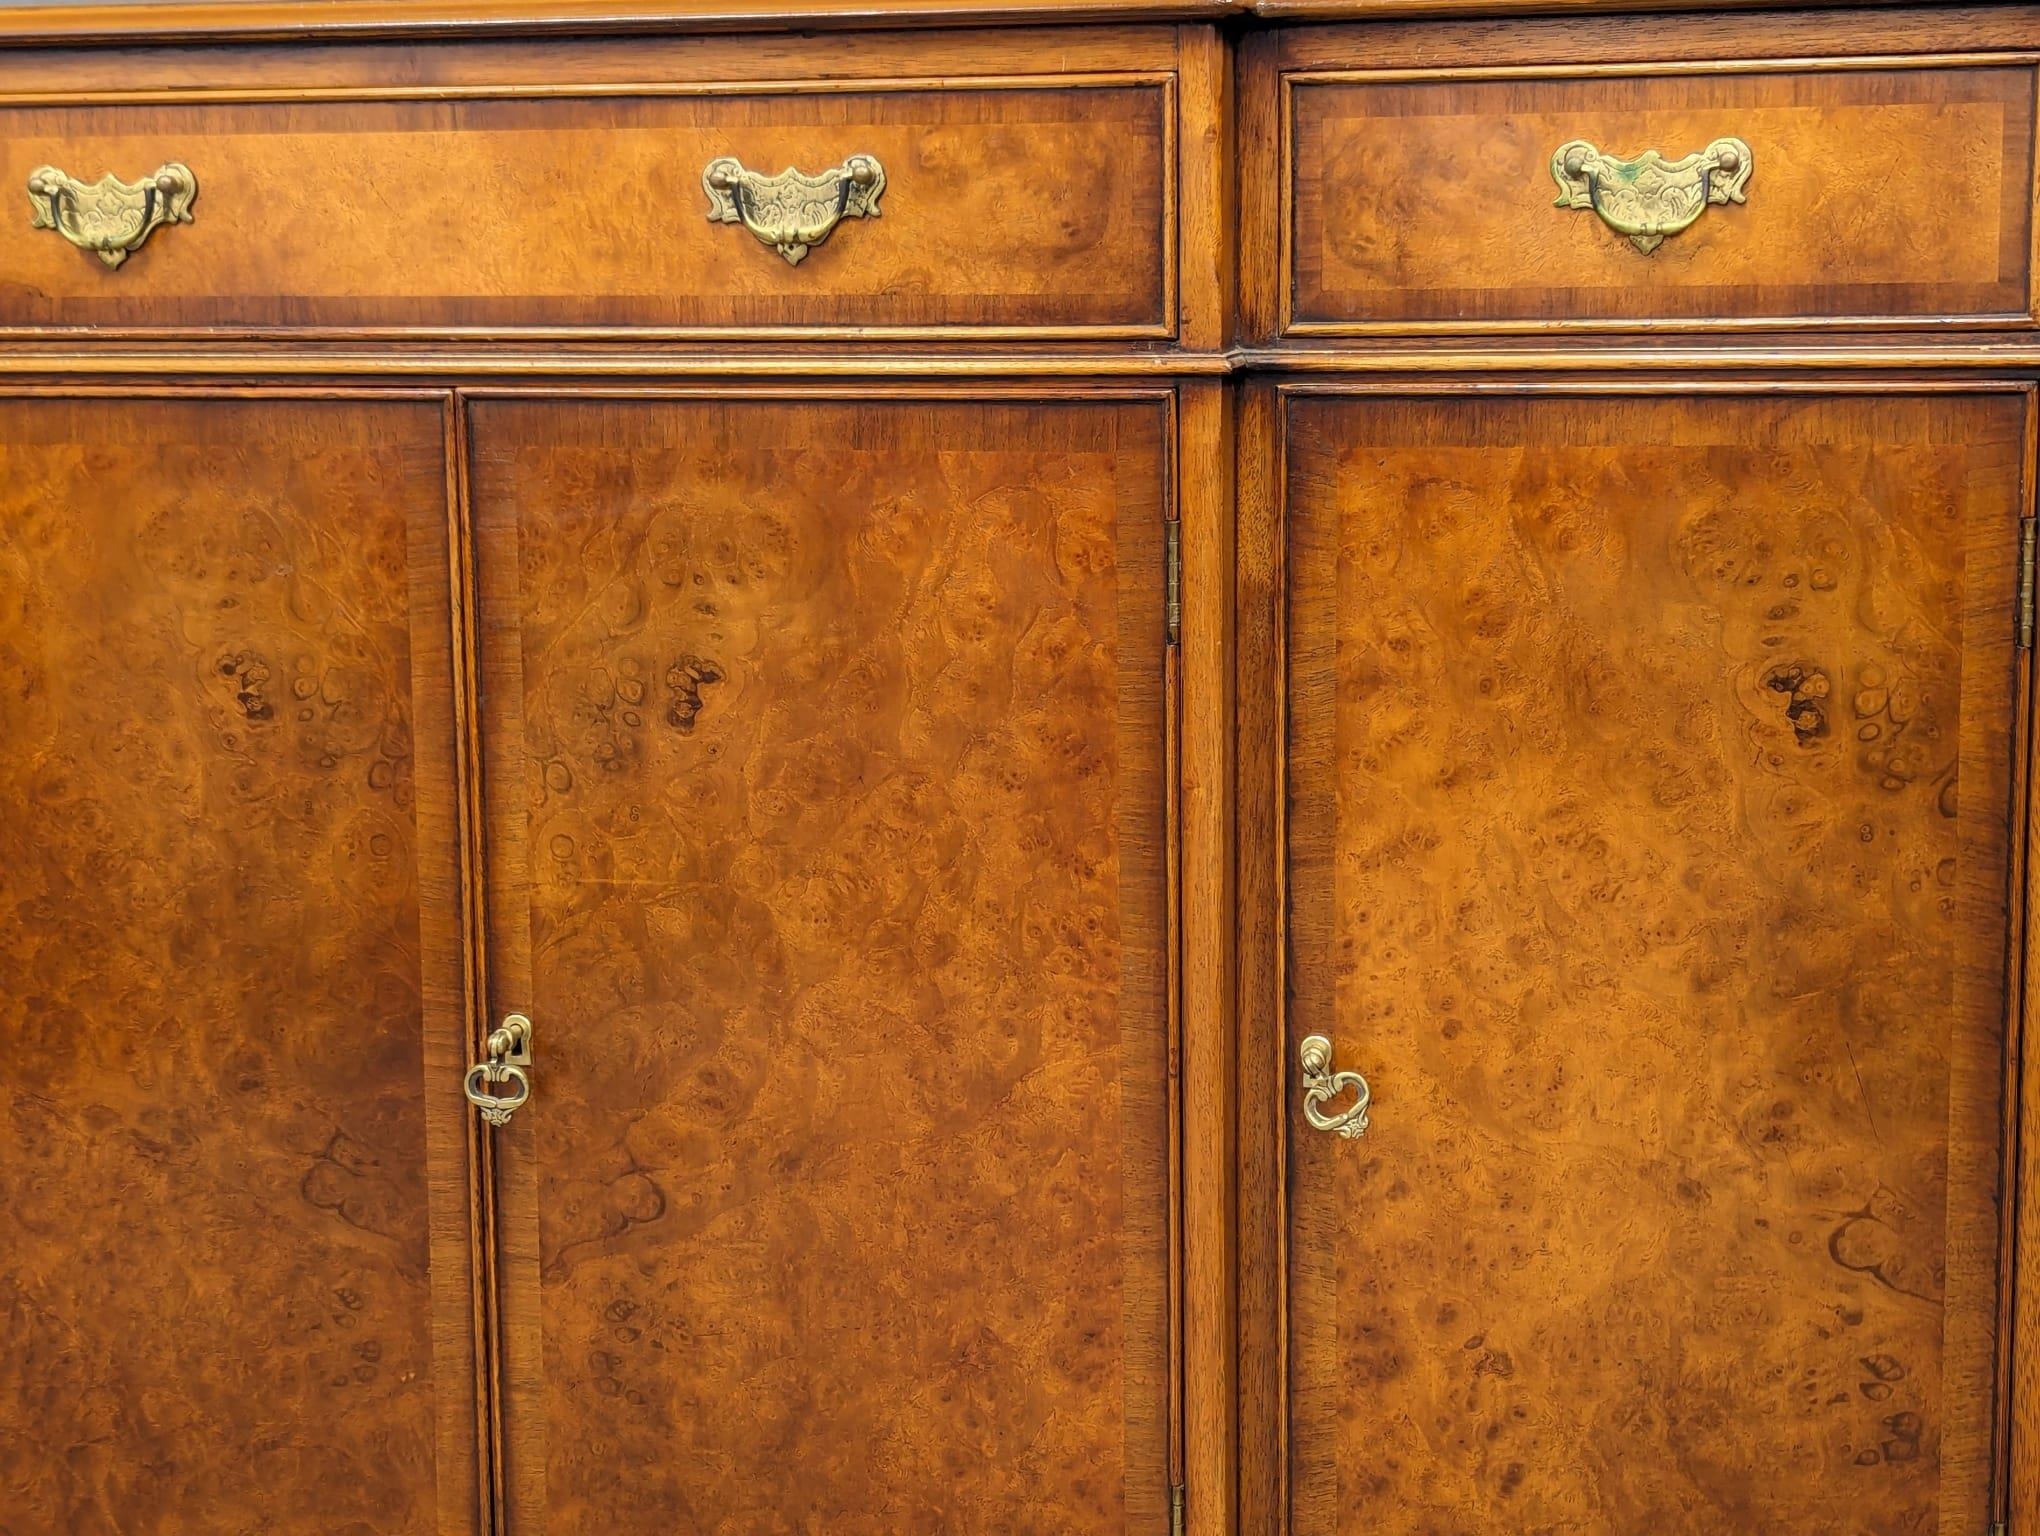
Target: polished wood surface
point(1424, 201)
point(202, 20)
point(912, 932)
point(210, 20)
point(1260, 1053)
point(470, 65)
point(1808, 35)
point(1204, 891)
point(234, 1286)
point(1649, 765)
point(1658, 67)
point(1597, 13)
point(824, 746)
point(1041, 210)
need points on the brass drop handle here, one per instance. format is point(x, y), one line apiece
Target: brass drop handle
point(1321, 1085)
point(509, 1055)
point(110, 217)
point(1650, 197)
point(793, 211)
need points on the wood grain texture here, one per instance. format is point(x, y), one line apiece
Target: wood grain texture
point(1259, 108)
point(588, 212)
point(234, 1289)
point(1450, 363)
point(1207, 883)
point(828, 737)
point(2018, 1480)
point(278, 71)
point(1208, 223)
point(1649, 767)
point(213, 20)
point(482, 361)
point(1808, 33)
point(1259, 1069)
point(1590, 12)
point(1428, 202)
point(2019, 1389)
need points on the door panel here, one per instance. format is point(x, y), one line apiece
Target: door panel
point(1649, 776)
point(234, 1292)
point(824, 749)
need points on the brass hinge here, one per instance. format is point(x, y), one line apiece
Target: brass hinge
point(1176, 1494)
point(2000, 1528)
point(2026, 583)
point(1172, 577)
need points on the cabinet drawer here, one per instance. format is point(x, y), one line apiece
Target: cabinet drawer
point(1029, 206)
point(1694, 196)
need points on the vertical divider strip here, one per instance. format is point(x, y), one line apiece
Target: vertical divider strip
point(1259, 736)
point(1172, 789)
point(1204, 469)
point(2015, 1498)
point(474, 923)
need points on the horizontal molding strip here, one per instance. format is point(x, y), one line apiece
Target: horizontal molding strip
point(2018, 355)
point(2006, 355)
point(602, 90)
point(1801, 64)
point(497, 364)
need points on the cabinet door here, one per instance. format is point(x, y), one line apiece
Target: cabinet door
point(824, 749)
point(234, 1287)
point(1650, 776)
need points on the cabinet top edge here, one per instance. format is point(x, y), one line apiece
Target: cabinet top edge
point(172, 22)
point(207, 21)
point(1437, 10)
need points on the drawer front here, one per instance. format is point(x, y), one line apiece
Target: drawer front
point(1028, 207)
point(1776, 197)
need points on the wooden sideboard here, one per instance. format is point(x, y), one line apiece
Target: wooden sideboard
point(1110, 767)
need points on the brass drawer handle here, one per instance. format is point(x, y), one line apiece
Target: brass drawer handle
point(1650, 197)
point(1321, 1085)
point(110, 217)
point(509, 1056)
point(793, 211)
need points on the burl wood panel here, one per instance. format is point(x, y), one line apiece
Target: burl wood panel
point(824, 743)
point(1886, 193)
point(233, 1291)
point(1031, 208)
point(1650, 769)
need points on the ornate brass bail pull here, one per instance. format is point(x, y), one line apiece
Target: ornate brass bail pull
point(509, 1056)
point(1650, 197)
point(793, 212)
point(1321, 1085)
point(110, 217)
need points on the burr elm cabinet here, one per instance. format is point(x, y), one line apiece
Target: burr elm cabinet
point(989, 766)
